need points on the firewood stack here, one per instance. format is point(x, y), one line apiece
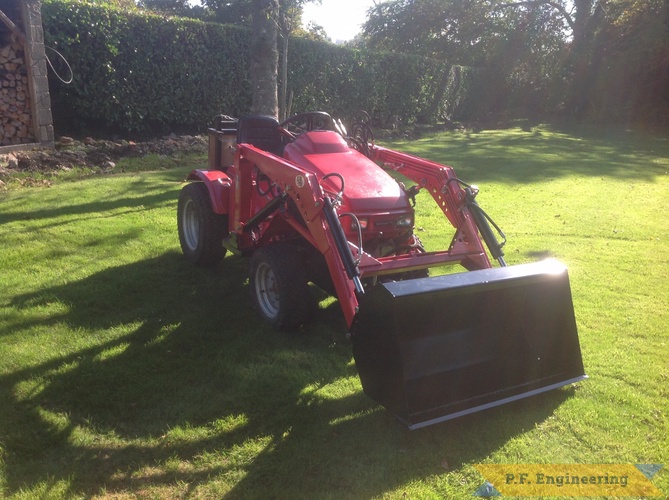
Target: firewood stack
point(15, 108)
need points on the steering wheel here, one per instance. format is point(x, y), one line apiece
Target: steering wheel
point(305, 122)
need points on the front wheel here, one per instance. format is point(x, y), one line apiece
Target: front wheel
point(279, 289)
point(201, 230)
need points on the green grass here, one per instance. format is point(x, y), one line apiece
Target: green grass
point(128, 373)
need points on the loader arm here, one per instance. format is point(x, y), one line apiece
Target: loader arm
point(447, 192)
point(313, 204)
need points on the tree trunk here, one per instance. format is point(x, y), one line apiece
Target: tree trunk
point(583, 61)
point(284, 78)
point(265, 58)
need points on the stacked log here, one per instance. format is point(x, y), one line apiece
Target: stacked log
point(15, 107)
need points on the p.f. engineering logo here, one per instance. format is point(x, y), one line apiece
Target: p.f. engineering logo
point(568, 480)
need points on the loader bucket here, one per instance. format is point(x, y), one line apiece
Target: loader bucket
point(433, 349)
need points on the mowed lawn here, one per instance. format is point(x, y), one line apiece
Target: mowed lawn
point(126, 372)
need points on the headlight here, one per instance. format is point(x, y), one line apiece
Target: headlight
point(405, 221)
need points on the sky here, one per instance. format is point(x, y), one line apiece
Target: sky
point(341, 19)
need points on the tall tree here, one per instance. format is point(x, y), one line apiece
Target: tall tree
point(516, 48)
point(182, 8)
point(628, 71)
point(286, 17)
point(265, 57)
point(290, 19)
point(238, 12)
point(462, 31)
point(167, 6)
point(455, 30)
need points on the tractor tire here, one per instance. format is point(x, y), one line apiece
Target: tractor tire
point(201, 230)
point(279, 286)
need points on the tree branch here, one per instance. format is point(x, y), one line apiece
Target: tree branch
point(534, 3)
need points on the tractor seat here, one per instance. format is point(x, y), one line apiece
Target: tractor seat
point(260, 131)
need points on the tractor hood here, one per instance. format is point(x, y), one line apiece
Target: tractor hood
point(367, 186)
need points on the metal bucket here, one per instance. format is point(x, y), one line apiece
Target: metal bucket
point(433, 349)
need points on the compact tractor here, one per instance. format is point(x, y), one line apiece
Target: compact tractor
point(310, 203)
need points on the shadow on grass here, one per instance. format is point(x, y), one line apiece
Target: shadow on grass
point(545, 153)
point(176, 368)
point(142, 193)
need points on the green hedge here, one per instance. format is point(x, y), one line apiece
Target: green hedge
point(343, 80)
point(141, 73)
point(138, 73)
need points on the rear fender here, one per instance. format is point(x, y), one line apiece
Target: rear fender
point(218, 184)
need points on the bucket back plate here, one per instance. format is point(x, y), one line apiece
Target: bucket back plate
point(432, 349)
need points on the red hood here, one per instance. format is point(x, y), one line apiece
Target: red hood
point(368, 188)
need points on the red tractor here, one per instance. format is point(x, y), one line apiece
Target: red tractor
point(308, 202)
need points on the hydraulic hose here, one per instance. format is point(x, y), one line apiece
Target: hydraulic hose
point(341, 243)
point(483, 223)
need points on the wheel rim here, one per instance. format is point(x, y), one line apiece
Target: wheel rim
point(191, 225)
point(267, 291)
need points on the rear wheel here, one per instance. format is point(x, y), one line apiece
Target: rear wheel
point(201, 230)
point(279, 288)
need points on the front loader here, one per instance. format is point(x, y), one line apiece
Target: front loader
point(308, 202)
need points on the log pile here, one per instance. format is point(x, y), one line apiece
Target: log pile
point(15, 107)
